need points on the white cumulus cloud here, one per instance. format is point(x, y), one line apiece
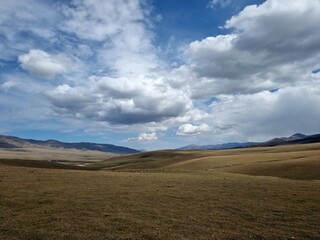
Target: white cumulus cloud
point(190, 129)
point(122, 29)
point(271, 45)
point(267, 114)
point(41, 64)
point(147, 137)
point(120, 100)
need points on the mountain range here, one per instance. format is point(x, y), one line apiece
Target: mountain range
point(15, 142)
point(297, 138)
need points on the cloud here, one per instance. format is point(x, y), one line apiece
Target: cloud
point(267, 114)
point(88, 19)
point(6, 86)
point(190, 129)
point(263, 50)
point(44, 65)
point(114, 40)
point(26, 25)
point(147, 137)
point(122, 29)
point(120, 100)
point(219, 3)
point(110, 74)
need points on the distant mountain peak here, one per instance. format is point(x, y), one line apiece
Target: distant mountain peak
point(217, 146)
point(298, 135)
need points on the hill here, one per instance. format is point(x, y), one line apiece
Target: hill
point(288, 161)
point(38, 203)
point(245, 193)
point(15, 142)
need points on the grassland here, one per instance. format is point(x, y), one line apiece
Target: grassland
point(301, 162)
point(43, 156)
point(256, 193)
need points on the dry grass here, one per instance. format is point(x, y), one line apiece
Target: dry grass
point(294, 161)
point(56, 155)
point(62, 204)
point(194, 197)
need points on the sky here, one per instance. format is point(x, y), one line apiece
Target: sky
point(154, 74)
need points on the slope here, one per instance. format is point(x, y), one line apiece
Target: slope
point(292, 161)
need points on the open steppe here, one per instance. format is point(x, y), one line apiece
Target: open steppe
point(250, 193)
point(291, 161)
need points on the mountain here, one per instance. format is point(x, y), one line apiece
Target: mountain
point(303, 140)
point(15, 142)
point(297, 138)
point(218, 146)
point(193, 146)
point(283, 140)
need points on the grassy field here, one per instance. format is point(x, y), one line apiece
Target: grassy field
point(300, 162)
point(66, 156)
point(229, 194)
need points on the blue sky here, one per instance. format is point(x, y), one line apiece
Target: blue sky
point(152, 74)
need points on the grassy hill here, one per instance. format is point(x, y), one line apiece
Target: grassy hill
point(256, 193)
point(292, 161)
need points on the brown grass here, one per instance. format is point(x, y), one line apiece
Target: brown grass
point(294, 161)
point(62, 204)
point(182, 195)
point(54, 154)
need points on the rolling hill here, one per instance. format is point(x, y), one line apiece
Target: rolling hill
point(298, 162)
point(243, 193)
